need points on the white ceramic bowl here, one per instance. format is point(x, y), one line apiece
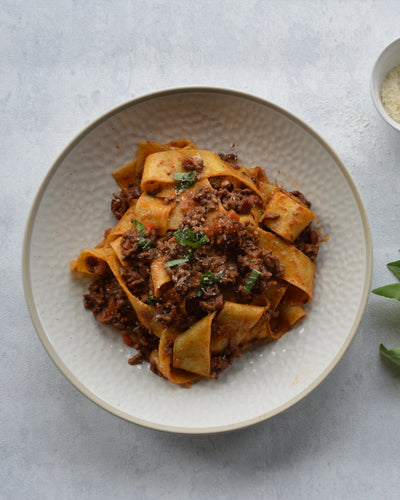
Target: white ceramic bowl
point(387, 60)
point(72, 210)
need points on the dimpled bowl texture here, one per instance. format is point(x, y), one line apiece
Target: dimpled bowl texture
point(387, 60)
point(72, 210)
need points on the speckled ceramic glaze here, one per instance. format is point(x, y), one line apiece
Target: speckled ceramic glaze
point(72, 210)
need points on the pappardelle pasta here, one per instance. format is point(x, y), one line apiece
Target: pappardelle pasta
point(207, 259)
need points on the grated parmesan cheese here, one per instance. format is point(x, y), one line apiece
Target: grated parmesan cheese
point(390, 93)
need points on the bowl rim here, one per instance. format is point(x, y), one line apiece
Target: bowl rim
point(26, 274)
point(375, 92)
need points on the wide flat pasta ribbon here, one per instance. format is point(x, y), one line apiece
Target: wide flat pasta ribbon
point(287, 216)
point(92, 261)
point(162, 359)
point(159, 275)
point(159, 169)
point(259, 332)
point(299, 269)
point(124, 224)
point(132, 171)
point(234, 321)
point(289, 315)
point(192, 347)
point(154, 210)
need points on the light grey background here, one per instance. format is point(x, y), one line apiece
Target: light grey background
point(65, 63)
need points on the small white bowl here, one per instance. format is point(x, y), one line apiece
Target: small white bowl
point(388, 59)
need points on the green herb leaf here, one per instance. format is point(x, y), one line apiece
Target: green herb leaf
point(188, 238)
point(139, 226)
point(395, 268)
point(175, 262)
point(393, 355)
point(152, 301)
point(251, 280)
point(145, 244)
point(208, 279)
point(390, 291)
point(184, 179)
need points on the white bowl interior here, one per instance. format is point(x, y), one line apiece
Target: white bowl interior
point(71, 212)
point(388, 59)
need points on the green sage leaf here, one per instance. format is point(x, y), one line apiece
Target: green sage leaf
point(393, 355)
point(395, 268)
point(389, 291)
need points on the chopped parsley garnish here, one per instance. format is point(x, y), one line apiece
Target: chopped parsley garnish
point(152, 301)
point(251, 280)
point(208, 279)
point(184, 180)
point(143, 242)
point(183, 260)
point(188, 238)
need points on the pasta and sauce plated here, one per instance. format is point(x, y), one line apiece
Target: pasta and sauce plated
point(207, 259)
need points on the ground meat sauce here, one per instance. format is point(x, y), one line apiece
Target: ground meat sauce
point(143, 342)
point(206, 197)
point(132, 245)
point(95, 265)
point(190, 164)
point(136, 279)
point(228, 157)
point(240, 199)
point(300, 196)
point(231, 254)
point(308, 242)
point(109, 304)
point(122, 201)
point(220, 362)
